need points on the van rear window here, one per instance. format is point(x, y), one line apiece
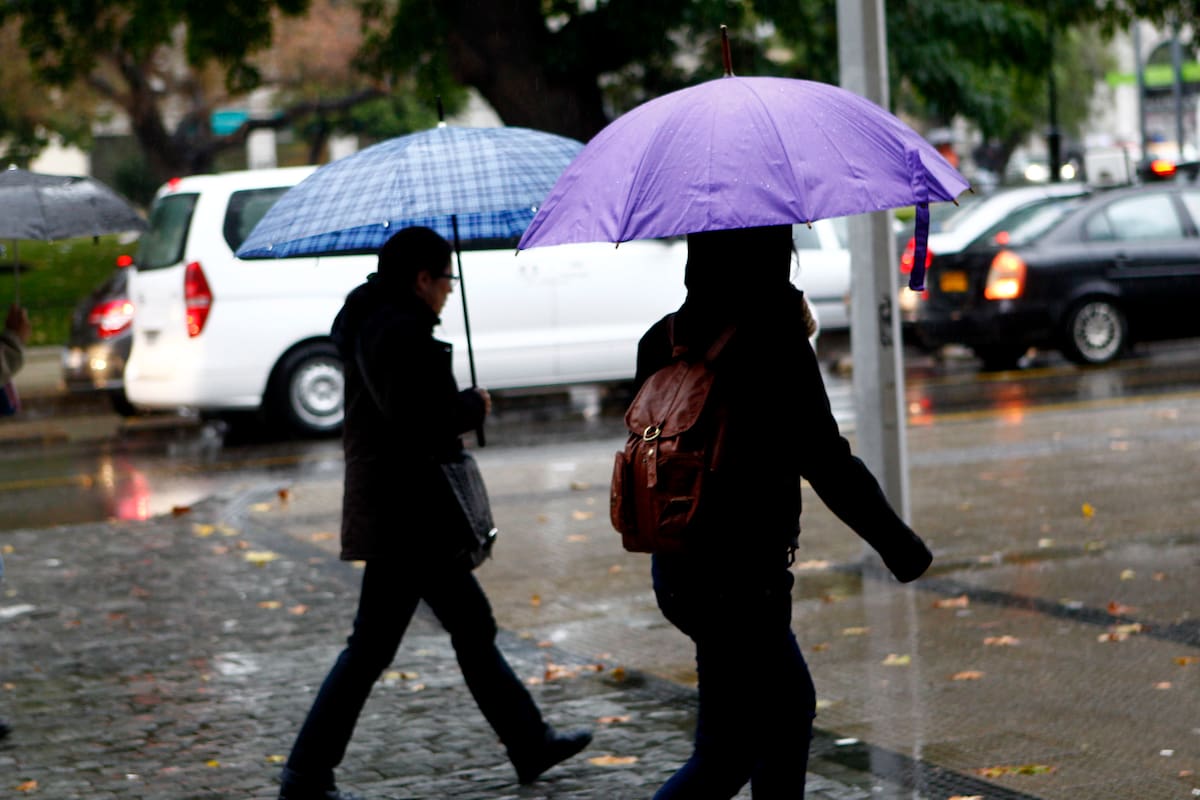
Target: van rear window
point(245, 209)
point(162, 244)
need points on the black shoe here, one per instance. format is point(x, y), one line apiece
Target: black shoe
point(297, 787)
point(553, 749)
point(5, 730)
point(332, 793)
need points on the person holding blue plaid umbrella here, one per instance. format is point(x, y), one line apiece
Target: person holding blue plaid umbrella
point(404, 417)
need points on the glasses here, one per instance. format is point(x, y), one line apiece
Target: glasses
point(449, 276)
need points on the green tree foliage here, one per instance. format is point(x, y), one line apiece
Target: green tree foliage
point(169, 65)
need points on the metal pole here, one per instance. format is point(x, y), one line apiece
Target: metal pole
point(1177, 87)
point(1053, 136)
point(462, 291)
point(1140, 71)
point(875, 343)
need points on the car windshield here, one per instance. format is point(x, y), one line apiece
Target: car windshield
point(162, 244)
point(945, 217)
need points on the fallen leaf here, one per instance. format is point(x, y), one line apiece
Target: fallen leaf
point(542, 518)
point(276, 759)
point(1159, 576)
point(533, 681)
point(1045, 543)
point(966, 797)
point(261, 507)
point(582, 515)
point(1088, 510)
point(179, 511)
point(322, 536)
point(614, 569)
point(614, 720)
point(227, 530)
point(962, 601)
point(968, 675)
point(1163, 685)
point(535, 600)
point(417, 687)
point(812, 563)
point(1120, 633)
point(1185, 661)
point(577, 537)
point(260, 558)
point(555, 672)
point(580, 486)
point(1002, 641)
point(203, 530)
point(8, 549)
point(298, 610)
point(618, 673)
point(1118, 609)
point(1023, 769)
point(212, 762)
point(545, 643)
point(27, 786)
point(612, 761)
point(220, 549)
point(284, 495)
point(1128, 574)
point(270, 604)
point(895, 660)
point(820, 647)
point(855, 631)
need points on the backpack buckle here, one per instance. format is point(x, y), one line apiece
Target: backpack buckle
point(651, 433)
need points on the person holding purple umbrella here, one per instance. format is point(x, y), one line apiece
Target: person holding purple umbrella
point(730, 588)
point(404, 416)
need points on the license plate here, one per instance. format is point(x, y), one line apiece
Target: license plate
point(952, 281)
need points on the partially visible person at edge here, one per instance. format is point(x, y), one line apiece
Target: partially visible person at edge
point(394, 506)
point(730, 590)
point(13, 338)
point(16, 333)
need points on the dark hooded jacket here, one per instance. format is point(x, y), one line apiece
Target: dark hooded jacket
point(780, 426)
point(404, 415)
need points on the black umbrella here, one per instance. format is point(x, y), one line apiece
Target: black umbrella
point(44, 207)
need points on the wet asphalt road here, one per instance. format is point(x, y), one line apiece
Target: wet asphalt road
point(1052, 654)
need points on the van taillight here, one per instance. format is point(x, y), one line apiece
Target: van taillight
point(197, 298)
point(910, 251)
point(1006, 278)
point(111, 317)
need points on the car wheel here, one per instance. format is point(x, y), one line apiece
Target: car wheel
point(999, 357)
point(120, 403)
point(309, 394)
point(1095, 332)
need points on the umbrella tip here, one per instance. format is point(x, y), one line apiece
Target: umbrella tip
point(725, 56)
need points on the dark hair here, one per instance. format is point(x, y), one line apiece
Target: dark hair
point(410, 251)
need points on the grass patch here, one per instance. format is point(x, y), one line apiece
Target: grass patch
point(55, 276)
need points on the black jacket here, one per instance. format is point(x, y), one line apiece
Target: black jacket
point(780, 428)
point(404, 414)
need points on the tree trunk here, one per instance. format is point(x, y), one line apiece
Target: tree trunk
point(500, 48)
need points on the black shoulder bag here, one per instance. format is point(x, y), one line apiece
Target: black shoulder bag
point(470, 533)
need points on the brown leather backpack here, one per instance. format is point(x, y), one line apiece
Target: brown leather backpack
point(674, 444)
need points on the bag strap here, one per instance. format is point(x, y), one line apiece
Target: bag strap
point(714, 349)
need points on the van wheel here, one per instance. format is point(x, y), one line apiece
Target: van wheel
point(120, 403)
point(1095, 332)
point(309, 395)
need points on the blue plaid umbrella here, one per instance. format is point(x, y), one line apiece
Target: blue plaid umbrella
point(488, 181)
point(465, 183)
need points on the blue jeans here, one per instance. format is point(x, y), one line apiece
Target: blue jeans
point(757, 700)
point(386, 605)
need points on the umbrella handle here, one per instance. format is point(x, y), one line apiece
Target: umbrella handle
point(480, 439)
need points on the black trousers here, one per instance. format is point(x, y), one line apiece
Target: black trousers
point(388, 600)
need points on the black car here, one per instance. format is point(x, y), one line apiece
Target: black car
point(1087, 278)
point(100, 339)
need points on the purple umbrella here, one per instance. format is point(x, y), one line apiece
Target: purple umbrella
point(744, 152)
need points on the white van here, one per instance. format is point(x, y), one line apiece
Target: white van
point(217, 333)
